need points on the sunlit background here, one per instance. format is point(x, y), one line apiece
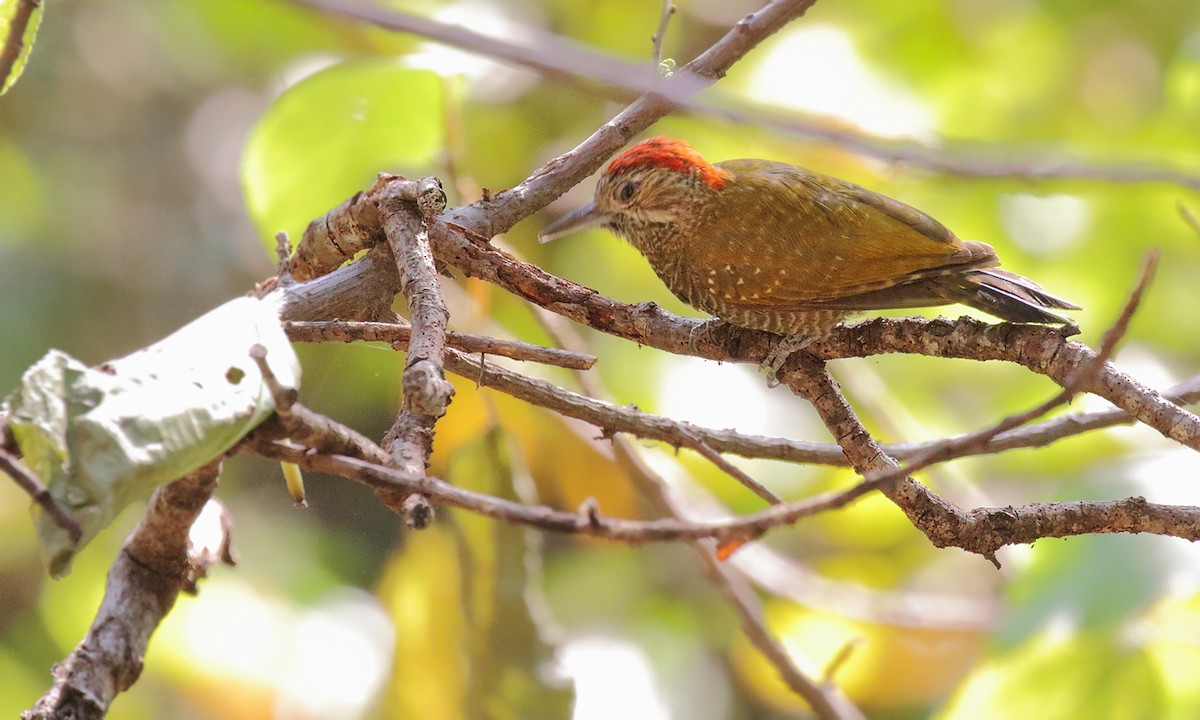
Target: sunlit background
point(151, 151)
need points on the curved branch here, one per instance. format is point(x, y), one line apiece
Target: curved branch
point(1055, 519)
point(1039, 349)
point(614, 418)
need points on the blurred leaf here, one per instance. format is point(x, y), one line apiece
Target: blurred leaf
point(460, 596)
point(31, 11)
point(22, 198)
point(101, 438)
point(21, 684)
point(1090, 675)
point(239, 37)
point(509, 650)
point(329, 135)
point(422, 590)
point(1094, 581)
point(554, 448)
point(888, 667)
point(1174, 628)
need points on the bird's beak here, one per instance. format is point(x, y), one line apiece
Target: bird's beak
point(585, 217)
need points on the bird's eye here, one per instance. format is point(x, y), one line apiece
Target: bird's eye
point(625, 192)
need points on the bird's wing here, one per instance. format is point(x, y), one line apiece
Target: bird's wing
point(814, 239)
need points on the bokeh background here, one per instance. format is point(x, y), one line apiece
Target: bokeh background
point(151, 150)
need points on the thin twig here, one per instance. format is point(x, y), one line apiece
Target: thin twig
point(399, 333)
point(985, 528)
point(315, 431)
point(618, 419)
point(1188, 217)
point(1083, 374)
point(840, 659)
point(824, 698)
point(502, 210)
point(659, 35)
point(696, 443)
point(941, 522)
point(554, 58)
point(32, 485)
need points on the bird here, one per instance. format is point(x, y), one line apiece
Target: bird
point(771, 246)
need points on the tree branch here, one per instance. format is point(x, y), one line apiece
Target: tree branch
point(1058, 519)
point(1041, 349)
point(494, 215)
point(398, 335)
point(426, 390)
point(826, 700)
point(158, 560)
point(1082, 375)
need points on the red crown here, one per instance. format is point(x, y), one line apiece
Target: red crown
point(669, 154)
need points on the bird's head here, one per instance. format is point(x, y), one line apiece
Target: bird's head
point(656, 182)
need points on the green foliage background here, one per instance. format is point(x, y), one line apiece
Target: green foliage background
point(151, 150)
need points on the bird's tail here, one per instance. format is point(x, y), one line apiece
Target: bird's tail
point(1008, 296)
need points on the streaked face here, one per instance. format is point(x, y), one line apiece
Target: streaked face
point(652, 183)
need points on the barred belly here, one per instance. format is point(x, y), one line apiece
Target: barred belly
point(809, 322)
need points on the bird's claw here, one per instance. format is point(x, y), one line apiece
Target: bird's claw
point(787, 345)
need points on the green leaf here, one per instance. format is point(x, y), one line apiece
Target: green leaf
point(465, 596)
point(1089, 675)
point(329, 136)
point(101, 438)
point(19, 21)
point(1099, 580)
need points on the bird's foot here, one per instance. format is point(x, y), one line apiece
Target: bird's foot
point(787, 345)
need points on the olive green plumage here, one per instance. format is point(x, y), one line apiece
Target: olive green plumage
point(771, 246)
